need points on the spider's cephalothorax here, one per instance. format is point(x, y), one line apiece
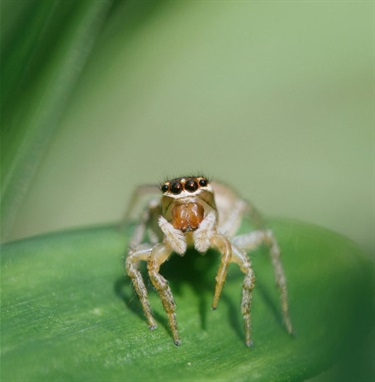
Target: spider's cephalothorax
point(194, 211)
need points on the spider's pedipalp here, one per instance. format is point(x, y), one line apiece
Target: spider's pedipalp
point(173, 236)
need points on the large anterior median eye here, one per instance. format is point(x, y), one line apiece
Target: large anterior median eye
point(176, 188)
point(191, 185)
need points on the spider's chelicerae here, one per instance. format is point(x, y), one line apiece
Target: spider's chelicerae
point(193, 211)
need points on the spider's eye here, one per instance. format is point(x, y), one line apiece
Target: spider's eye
point(191, 185)
point(203, 182)
point(176, 188)
point(165, 187)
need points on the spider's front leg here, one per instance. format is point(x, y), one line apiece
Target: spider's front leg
point(206, 236)
point(132, 263)
point(174, 240)
point(222, 244)
point(160, 253)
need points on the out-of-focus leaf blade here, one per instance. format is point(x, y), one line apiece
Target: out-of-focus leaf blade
point(40, 66)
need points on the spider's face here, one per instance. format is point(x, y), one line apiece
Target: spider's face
point(186, 201)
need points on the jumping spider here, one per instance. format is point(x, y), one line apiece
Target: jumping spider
point(194, 211)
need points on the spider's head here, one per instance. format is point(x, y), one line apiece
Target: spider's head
point(186, 201)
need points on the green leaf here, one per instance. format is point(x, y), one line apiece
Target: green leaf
point(41, 62)
point(68, 312)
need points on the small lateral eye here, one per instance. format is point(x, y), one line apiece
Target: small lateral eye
point(203, 182)
point(176, 188)
point(165, 187)
point(191, 185)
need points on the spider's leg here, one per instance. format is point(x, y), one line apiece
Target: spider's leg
point(243, 261)
point(160, 253)
point(132, 262)
point(251, 241)
point(279, 278)
point(222, 244)
point(146, 223)
point(139, 230)
point(205, 237)
point(232, 221)
point(137, 200)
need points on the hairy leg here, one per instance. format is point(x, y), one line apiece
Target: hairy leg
point(279, 278)
point(243, 261)
point(222, 244)
point(132, 263)
point(160, 253)
point(251, 241)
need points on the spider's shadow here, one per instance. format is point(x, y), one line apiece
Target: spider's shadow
point(194, 270)
point(199, 273)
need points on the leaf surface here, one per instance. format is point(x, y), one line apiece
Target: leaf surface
point(68, 312)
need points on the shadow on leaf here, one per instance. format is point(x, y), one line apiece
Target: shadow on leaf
point(198, 272)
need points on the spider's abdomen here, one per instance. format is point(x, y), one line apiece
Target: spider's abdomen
point(187, 217)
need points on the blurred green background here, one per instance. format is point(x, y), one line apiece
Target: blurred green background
point(99, 96)
point(275, 98)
